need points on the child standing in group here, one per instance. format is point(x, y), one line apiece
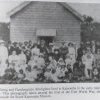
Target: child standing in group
point(20, 76)
point(52, 62)
point(88, 61)
point(95, 74)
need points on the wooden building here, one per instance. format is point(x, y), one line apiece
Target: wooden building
point(51, 21)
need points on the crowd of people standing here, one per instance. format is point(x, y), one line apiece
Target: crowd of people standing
point(32, 62)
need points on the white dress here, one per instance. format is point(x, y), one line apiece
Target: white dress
point(88, 59)
point(33, 62)
point(35, 51)
point(72, 54)
point(41, 62)
point(29, 76)
point(68, 61)
point(14, 59)
point(22, 58)
point(3, 59)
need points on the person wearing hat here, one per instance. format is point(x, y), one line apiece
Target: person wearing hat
point(63, 50)
point(43, 48)
point(52, 62)
point(68, 61)
point(88, 44)
point(33, 61)
point(3, 57)
point(56, 54)
point(41, 61)
point(80, 52)
point(22, 60)
point(61, 69)
point(14, 61)
point(97, 46)
point(88, 60)
point(14, 47)
point(51, 48)
point(30, 76)
point(35, 51)
point(72, 52)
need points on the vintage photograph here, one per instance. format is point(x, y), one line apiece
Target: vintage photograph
point(49, 42)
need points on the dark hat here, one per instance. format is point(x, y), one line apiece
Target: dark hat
point(56, 50)
point(51, 54)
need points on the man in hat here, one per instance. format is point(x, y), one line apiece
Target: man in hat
point(56, 54)
point(51, 48)
point(43, 49)
point(63, 50)
point(80, 52)
point(3, 57)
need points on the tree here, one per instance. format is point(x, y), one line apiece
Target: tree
point(87, 28)
point(88, 19)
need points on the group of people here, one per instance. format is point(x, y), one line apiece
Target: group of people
point(37, 62)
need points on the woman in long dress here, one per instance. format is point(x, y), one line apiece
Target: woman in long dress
point(22, 61)
point(14, 61)
point(3, 58)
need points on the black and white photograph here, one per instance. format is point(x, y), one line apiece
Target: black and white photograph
point(49, 42)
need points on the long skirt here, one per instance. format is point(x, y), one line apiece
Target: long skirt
point(3, 67)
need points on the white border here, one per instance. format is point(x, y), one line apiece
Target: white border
point(71, 1)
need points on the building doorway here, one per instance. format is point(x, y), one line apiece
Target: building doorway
point(47, 39)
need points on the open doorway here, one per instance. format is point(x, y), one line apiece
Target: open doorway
point(47, 39)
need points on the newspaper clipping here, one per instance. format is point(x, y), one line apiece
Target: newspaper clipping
point(49, 50)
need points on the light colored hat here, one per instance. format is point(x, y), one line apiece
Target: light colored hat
point(51, 43)
point(2, 41)
point(60, 59)
point(41, 54)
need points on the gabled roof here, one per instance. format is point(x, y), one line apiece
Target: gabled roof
point(65, 5)
point(18, 8)
point(74, 12)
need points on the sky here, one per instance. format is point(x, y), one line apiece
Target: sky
point(90, 9)
point(5, 7)
point(85, 7)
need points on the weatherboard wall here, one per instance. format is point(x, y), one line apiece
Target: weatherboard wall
point(44, 15)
